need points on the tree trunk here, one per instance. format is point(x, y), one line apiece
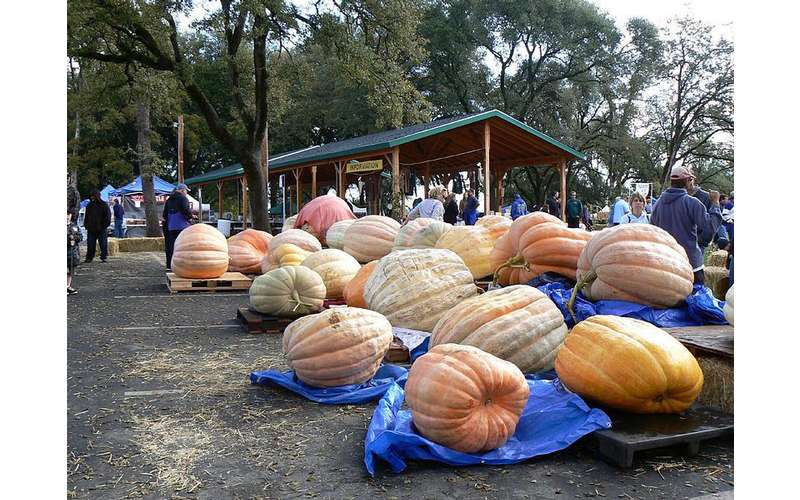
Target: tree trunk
point(257, 190)
point(73, 170)
point(145, 159)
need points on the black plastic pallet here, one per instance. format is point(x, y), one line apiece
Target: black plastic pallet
point(256, 322)
point(631, 433)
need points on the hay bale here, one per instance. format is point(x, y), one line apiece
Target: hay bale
point(718, 258)
point(113, 247)
point(141, 244)
point(718, 382)
point(717, 280)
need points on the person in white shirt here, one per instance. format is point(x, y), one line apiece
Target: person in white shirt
point(432, 207)
point(637, 215)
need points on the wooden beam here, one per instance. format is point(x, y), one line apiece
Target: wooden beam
point(501, 188)
point(219, 196)
point(313, 182)
point(427, 178)
point(564, 190)
point(398, 208)
point(486, 186)
point(529, 160)
point(297, 173)
point(339, 191)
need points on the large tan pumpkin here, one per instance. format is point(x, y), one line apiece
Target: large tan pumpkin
point(639, 263)
point(629, 364)
point(201, 252)
point(336, 269)
point(414, 288)
point(334, 238)
point(551, 247)
point(354, 290)
point(284, 255)
point(517, 323)
point(496, 224)
point(288, 292)
point(247, 249)
point(464, 398)
point(370, 237)
point(507, 248)
point(728, 309)
point(473, 244)
point(420, 233)
point(298, 237)
point(339, 346)
point(288, 223)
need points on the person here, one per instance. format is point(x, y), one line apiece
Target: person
point(96, 222)
point(73, 199)
point(177, 216)
point(574, 210)
point(416, 202)
point(684, 217)
point(553, 205)
point(431, 207)
point(119, 214)
point(729, 203)
point(518, 207)
point(618, 210)
point(699, 193)
point(649, 204)
point(451, 209)
point(586, 218)
point(470, 208)
point(729, 262)
point(74, 237)
point(637, 215)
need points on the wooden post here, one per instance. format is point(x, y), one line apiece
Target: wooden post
point(313, 182)
point(180, 148)
point(245, 203)
point(501, 189)
point(486, 185)
point(219, 196)
point(398, 198)
point(297, 173)
point(564, 190)
point(200, 200)
point(339, 190)
point(265, 163)
point(427, 179)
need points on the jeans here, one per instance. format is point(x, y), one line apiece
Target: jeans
point(169, 245)
point(573, 222)
point(91, 244)
point(118, 229)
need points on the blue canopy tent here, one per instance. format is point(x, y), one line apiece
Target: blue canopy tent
point(104, 193)
point(161, 187)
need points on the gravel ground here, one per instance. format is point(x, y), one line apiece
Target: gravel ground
point(160, 406)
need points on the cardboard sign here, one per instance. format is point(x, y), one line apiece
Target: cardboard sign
point(364, 166)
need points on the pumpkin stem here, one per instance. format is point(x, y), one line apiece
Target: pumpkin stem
point(516, 261)
point(296, 299)
point(587, 279)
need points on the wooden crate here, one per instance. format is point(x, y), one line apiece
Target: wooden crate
point(256, 322)
point(225, 283)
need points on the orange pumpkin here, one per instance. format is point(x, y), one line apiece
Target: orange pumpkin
point(354, 290)
point(551, 247)
point(247, 249)
point(322, 212)
point(465, 398)
point(201, 252)
point(507, 249)
point(629, 364)
point(371, 237)
point(339, 346)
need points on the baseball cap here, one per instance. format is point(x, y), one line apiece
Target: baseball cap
point(681, 172)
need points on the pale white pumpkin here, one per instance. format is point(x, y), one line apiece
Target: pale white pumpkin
point(414, 288)
point(284, 255)
point(420, 233)
point(371, 237)
point(288, 223)
point(728, 309)
point(335, 235)
point(288, 292)
point(335, 267)
point(297, 237)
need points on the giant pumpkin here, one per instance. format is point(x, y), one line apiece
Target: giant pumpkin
point(336, 269)
point(629, 364)
point(414, 288)
point(247, 249)
point(517, 323)
point(297, 237)
point(639, 263)
point(288, 292)
point(339, 346)
point(354, 290)
point(288, 223)
point(506, 259)
point(728, 309)
point(334, 238)
point(551, 247)
point(201, 252)
point(284, 255)
point(322, 212)
point(420, 233)
point(464, 398)
point(370, 237)
point(473, 244)
point(496, 224)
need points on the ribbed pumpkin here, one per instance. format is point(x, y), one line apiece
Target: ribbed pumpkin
point(464, 398)
point(322, 212)
point(420, 233)
point(201, 251)
point(339, 346)
point(334, 238)
point(496, 224)
point(414, 288)
point(288, 223)
point(639, 263)
point(247, 249)
point(288, 292)
point(370, 237)
point(284, 255)
point(728, 309)
point(297, 237)
point(629, 364)
point(336, 269)
point(473, 244)
point(551, 247)
point(354, 290)
point(507, 249)
point(517, 323)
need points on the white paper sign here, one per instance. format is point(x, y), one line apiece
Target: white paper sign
point(410, 338)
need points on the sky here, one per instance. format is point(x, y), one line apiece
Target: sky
point(716, 12)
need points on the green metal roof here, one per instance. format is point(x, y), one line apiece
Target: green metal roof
point(382, 140)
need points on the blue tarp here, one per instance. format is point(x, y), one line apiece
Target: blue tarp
point(345, 394)
point(161, 187)
point(701, 308)
point(552, 420)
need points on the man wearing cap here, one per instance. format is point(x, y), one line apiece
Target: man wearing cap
point(176, 217)
point(684, 216)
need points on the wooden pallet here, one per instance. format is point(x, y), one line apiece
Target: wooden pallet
point(225, 283)
point(715, 340)
point(256, 322)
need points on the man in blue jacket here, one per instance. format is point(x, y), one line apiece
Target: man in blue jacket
point(684, 216)
point(518, 207)
point(177, 216)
